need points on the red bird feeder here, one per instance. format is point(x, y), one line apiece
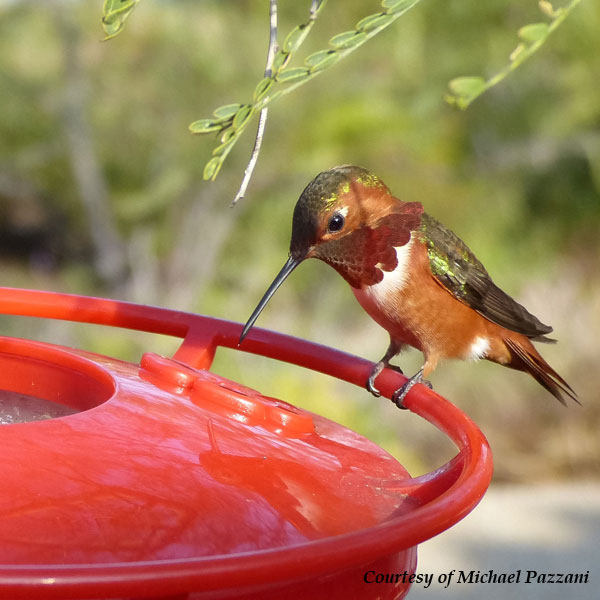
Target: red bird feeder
point(167, 481)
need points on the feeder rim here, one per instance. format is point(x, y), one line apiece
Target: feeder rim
point(466, 477)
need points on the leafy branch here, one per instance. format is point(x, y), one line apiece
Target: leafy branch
point(230, 121)
point(466, 89)
point(262, 118)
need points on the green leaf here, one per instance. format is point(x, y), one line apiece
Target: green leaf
point(321, 59)
point(347, 39)
point(242, 116)
point(262, 88)
point(226, 111)
point(205, 126)
point(394, 6)
point(212, 168)
point(274, 96)
point(533, 32)
point(373, 21)
point(281, 59)
point(114, 15)
point(227, 134)
point(467, 86)
point(547, 8)
point(220, 150)
point(294, 74)
point(517, 52)
point(295, 38)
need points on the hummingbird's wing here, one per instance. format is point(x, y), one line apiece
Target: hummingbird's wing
point(457, 269)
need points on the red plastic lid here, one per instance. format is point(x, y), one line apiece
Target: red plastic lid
point(173, 479)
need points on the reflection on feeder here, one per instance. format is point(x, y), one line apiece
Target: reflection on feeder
point(19, 408)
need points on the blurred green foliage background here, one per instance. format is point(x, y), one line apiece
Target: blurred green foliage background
point(101, 192)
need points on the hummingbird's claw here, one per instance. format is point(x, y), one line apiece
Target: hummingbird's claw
point(372, 389)
point(392, 350)
point(375, 373)
point(399, 395)
point(372, 377)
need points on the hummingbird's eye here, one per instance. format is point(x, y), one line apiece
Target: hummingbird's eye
point(336, 223)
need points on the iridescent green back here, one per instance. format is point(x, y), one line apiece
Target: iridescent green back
point(457, 269)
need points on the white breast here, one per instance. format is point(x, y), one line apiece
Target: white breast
point(393, 281)
point(375, 298)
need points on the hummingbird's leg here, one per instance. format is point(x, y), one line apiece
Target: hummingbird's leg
point(392, 350)
point(400, 393)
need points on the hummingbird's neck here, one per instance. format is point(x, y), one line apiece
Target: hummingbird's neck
point(364, 255)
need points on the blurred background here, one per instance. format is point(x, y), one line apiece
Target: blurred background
point(101, 193)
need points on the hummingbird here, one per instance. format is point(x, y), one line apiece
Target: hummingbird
point(414, 277)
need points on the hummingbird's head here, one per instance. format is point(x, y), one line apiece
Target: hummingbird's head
point(333, 204)
point(348, 218)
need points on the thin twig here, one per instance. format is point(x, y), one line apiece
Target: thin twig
point(314, 7)
point(262, 119)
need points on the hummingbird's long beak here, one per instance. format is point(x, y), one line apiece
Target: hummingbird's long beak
point(289, 266)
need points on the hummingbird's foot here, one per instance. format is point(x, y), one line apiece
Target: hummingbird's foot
point(399, 395)
point(375, 373)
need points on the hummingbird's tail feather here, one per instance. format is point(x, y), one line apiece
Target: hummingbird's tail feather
point(530, 361)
